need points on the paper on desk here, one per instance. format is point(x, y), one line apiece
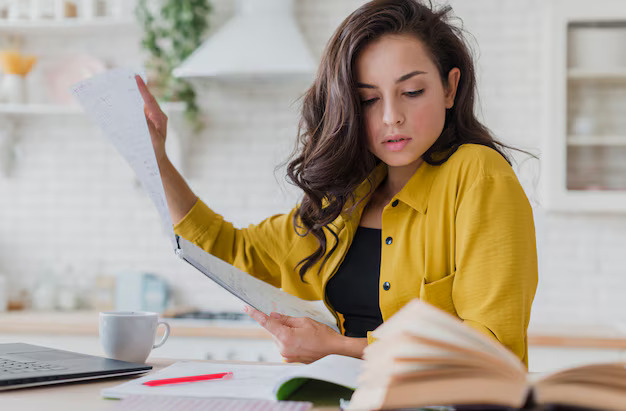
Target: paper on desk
point(112, 101)
point(152, 403)
point(248, 381)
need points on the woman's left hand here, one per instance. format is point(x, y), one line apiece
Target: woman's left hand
point(299, 339)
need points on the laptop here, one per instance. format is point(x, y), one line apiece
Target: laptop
point(25, 365)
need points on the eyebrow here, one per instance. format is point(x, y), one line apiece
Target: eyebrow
point(400, 80)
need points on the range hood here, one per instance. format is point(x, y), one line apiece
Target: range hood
point(261, 41)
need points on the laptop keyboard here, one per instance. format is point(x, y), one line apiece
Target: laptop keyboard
point(9, 366)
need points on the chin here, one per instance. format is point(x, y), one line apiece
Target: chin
point(399, 160)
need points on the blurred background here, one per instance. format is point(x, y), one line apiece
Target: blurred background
point(79, 235)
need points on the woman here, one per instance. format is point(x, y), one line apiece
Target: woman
point(406, 193)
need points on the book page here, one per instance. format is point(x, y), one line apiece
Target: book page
point(336, 369)
point(254, 292)
point(423, 320)
point(113, 102)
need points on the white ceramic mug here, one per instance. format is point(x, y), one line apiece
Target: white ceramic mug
point(129, 335)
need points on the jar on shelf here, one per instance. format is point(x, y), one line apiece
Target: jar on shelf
point(585, 111)
point(13, 82)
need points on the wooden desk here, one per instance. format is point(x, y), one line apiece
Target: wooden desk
point(76, 396)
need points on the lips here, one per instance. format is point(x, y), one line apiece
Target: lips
point(396, 138)
point(396, 142)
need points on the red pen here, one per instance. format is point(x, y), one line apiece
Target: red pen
point(178, 380)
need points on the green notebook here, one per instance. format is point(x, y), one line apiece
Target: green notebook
point(322, 382)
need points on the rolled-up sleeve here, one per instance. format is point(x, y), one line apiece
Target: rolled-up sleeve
point(258, 249)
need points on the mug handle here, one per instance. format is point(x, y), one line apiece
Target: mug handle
point(164, 338)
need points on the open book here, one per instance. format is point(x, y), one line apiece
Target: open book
point(251, 381)
point(113, 102)
point(424, 356)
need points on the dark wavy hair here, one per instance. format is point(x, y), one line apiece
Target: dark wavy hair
point(332, 158)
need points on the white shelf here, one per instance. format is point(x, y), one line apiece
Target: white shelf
point(596, 141)
point(57, 109)
point(69, 26)
point(578, 74)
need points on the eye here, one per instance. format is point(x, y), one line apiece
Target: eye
point(414, 93)
point(368, 102)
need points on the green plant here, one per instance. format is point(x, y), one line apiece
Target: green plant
point(173, 29)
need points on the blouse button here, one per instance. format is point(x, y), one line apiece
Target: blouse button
point(386, 286)
point(395, 203)
point(389, 240)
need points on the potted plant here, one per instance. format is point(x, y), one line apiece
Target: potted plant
point(173, 29)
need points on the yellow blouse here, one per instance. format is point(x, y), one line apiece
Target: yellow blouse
point(460, 236)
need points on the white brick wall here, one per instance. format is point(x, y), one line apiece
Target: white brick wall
point(73, 208)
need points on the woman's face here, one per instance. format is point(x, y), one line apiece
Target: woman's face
point(403, 99)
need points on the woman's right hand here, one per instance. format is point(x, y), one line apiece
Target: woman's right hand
point(156, 119)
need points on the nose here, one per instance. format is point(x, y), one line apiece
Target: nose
point(393, 114)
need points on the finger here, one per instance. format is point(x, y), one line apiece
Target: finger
point(288, 320)
point(148, 98)
point(273, 325)
point(256, 315)
point(151, 108)
point(281, 318)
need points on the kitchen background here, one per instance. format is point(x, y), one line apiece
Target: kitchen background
point(73, 218)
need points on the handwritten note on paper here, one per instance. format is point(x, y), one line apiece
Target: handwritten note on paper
point(254, 292)
point(112, 100)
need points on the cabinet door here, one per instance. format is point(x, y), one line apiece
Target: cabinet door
point(584, 161)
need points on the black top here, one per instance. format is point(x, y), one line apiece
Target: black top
point(353, 290)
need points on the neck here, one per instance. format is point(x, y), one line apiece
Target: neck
point(397, 177)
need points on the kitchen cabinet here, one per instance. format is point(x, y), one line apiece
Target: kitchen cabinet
point(176, 347)
point(189, 338)
point(584, 158)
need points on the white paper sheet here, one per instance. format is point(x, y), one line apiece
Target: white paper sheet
point(248, 381)
point(112, 101)
point(259, 294)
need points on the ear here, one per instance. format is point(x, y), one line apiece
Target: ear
point(453, 83)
